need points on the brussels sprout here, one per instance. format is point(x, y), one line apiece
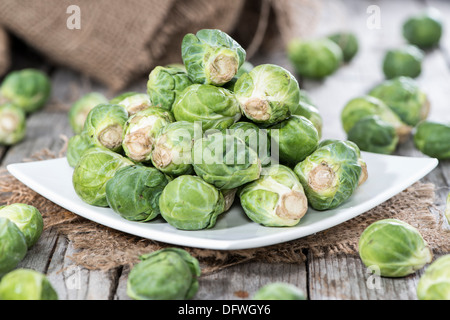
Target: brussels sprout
point(27, 218)
point(28, 89)
point(215, 108)
point(13, 246)
point(330, 175)
point(96, 167)
point(362, 163)
point(134, 193)
point(136, 103)
point(311, 113)
point(435, 283)
point(141, 131)
point(24, 284)
point(424, 29)
point(104, 126)
point(121, 97)
point(165, 84)
point(395, 247)
point(372, 134)
point(211, 57)
point(405, 62)
point(255, 138)
point(277, 199)
point(80, 109)
point(13, 127)
point(348, 42)
point(225, 161)
point(365, 106)
point(316, 58)
point(168, 274)
point(296, 139)
point(172, 153)
point(279, 291)
point(433, 139)
point(267, 94)
point(189, 203)
point(405, 98)
point(76, 147)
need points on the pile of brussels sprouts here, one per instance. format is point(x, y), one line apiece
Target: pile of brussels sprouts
point(206, 132)
point(397, 109)
point(21, 93)
point(21, 226)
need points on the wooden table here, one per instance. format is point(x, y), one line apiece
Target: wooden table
point(340, 276)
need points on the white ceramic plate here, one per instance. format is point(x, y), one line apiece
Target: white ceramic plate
point(388, 176)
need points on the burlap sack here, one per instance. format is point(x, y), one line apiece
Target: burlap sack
point(120, 40)
point(5, 58)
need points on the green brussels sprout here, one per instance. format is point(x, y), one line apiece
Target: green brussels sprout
point(104, 126)
point(267, 93)
point(121, 97)
point(316, 58)
point(311, 113)
point(96, 167)
point(76, 147)
point(395, 247)
point(24, 284)
point(136, 103)
point(424, 29)
point(168, 274)
point(255, 138)
point(141, 130)
point(165, 84)
point(80, 109)
point(225, 161)
point(405, 62)
point(27, 218)
point(172, 153)
point(435, 283)
point(13, 126)
point(189, 203)
point(405, 98)
point(279, 291)
point(372, 134)
point(211, 57)
point(330, 175)
point(214, 107)
point(13, 246)
point(348, 42)
point(296, 139)
point(134, 193)
point(362, 163)
point(28, 89)
point(433, 139)
point(365, 106)
point(277, 199)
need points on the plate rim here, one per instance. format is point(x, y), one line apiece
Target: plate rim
point(182, 239)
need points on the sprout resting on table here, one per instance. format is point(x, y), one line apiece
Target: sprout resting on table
point(80, 109)
point(168, 274)
point(433, 139)
point(279, 291)
point(13, 246)
point(25, 284)
point(424, 29)
point(435, 283)
point(13, 127)
point(406, 62)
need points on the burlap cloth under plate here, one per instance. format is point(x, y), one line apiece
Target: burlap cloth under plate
point(100, 248)
point(121, 40)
